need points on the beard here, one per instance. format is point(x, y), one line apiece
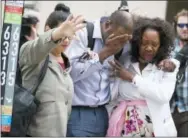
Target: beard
point(183, 38)
point(184, 41)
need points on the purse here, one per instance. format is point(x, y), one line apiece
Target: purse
point(25, 105)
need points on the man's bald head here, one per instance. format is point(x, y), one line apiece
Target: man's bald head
point(120, 22)
point(122, 18)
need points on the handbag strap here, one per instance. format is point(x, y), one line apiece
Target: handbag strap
point(41, 76)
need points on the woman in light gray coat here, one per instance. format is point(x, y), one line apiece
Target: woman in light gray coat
point(56, 90)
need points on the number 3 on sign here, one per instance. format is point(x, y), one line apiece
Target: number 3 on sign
point(15, 49)
point(6, 44)
point(3, 78)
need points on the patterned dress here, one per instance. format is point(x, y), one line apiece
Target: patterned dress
point(131, 118)
point(137, 122)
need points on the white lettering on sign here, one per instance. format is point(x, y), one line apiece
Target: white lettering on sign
point(14, 3)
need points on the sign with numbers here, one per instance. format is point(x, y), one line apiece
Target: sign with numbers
point(10, 37)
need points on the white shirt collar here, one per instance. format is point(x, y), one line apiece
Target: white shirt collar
point(97, 33)
point(149, 67)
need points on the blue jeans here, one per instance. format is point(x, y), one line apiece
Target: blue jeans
point(88, 122)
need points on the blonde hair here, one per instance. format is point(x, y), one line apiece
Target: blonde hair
point(183, 12)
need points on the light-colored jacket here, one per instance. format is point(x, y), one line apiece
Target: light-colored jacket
point(156, 87)
point(54, 93)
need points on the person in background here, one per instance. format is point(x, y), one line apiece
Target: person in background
point(141, 105)
point(181, 29)
point(56, 90)
point(179, 101)
point(29, 27)
point(33, 13)
point(90, 73)
point(65, 9)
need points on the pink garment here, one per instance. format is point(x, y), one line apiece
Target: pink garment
point(62, 65)
point(117, 120)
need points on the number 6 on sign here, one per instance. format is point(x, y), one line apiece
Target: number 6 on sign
point(7, 33)
point(16, 34)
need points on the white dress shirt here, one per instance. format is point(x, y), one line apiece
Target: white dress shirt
point(92, 83)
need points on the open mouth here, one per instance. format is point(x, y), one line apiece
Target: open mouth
point(148, 57)
point(185, 34)
point(64, 46)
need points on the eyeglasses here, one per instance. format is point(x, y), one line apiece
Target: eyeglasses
point(182, 25)
point(62, 39)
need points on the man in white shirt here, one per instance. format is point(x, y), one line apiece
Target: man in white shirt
point(91, 74)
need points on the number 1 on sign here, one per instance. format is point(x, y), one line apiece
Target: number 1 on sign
point(4, 62)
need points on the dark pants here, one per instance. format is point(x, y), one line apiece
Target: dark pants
point(88, 122)
point(181, 122)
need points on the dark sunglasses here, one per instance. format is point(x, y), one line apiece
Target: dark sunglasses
point(182, 25)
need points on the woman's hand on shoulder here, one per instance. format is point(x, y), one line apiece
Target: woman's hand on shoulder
point(167, 65)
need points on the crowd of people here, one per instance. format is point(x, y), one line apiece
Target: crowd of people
point(133, 81)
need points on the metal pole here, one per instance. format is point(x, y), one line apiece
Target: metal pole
point(10, 38)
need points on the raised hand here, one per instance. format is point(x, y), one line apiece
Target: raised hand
point(115, 43)
point(68, 28)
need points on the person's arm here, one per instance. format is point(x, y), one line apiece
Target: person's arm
point(34, 51)
point(84, 66)
point(81, 68)
point(160, 92)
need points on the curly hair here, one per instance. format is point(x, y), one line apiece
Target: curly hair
point(166, 36)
